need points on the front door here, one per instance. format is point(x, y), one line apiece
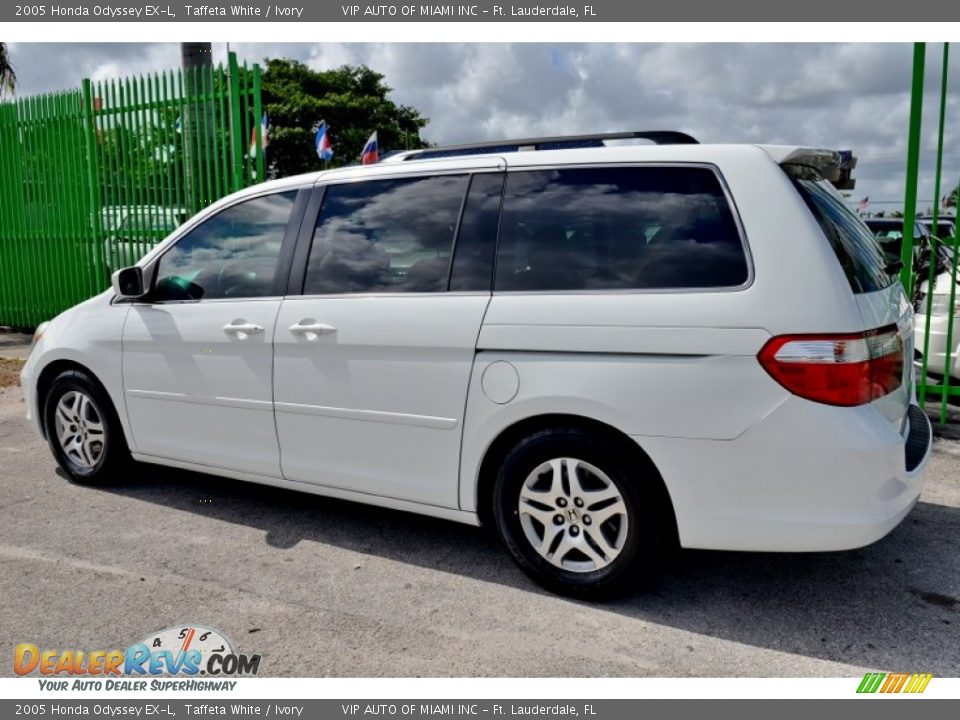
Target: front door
point(198, 354)
point(373, 360)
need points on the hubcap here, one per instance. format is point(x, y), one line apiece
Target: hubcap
point(80, 430)
point(573, 515)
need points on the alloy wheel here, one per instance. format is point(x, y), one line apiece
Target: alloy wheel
point(80, 429)
point(573, 515)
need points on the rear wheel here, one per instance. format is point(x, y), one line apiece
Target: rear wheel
point(579, 514)
point(83, 430)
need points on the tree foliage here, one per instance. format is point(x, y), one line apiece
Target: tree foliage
point(140, 156)
point(353, 102)
point(8, 78)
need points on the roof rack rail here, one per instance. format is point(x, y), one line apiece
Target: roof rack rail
point(558, 142)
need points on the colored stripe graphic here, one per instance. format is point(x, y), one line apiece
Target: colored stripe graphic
point(922, 680)
point(894, 683)
point(870, 683)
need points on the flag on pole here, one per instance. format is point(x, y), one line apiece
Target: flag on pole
point(264, 135)
point(322, 142)
point(864, 204)
point(370, 153)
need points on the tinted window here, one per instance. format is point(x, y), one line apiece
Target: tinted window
point(233, 254)
point(944, 230)
point(473, 256)
point(854, 244)
point(613, 228)
point(385, 236)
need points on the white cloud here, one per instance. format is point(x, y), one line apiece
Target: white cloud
point(839, 96)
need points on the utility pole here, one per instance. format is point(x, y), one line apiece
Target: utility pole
point(196, 60)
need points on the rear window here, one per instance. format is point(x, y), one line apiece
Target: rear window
point(618, 228)
point(854, 244)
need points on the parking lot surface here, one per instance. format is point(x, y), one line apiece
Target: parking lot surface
point(322, 587)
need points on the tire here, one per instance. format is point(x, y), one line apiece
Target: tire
point(83, 430)
point(592, 557)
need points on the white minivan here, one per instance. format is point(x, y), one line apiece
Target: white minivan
point(602, 351)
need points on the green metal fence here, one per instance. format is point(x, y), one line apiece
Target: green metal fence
point(91, 179)
point(938, 379)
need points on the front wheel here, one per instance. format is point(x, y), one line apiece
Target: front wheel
point(580, 515)
point(83, 430)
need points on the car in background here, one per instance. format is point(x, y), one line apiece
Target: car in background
point(946, 233)
point(945, 228)
point(133, 230)
point(940, 308)
point(889, 233)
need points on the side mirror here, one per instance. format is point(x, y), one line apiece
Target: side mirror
point(128, 283)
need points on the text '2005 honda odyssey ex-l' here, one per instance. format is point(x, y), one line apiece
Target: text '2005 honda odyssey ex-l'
point(601, 351)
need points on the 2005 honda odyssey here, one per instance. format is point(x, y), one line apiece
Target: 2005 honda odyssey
point(602, 351)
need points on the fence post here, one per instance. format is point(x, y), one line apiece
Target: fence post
point(84, 175)
point(93, 180)
point(258, 128)
point(931, 275)
point(913, 163)
point(236, 123)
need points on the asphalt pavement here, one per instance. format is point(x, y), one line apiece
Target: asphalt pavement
point(322, 587)
point(14, 345)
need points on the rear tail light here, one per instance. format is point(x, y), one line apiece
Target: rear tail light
point(846, 370)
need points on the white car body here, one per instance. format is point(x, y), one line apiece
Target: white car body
point(402, 404)
point(941, 325)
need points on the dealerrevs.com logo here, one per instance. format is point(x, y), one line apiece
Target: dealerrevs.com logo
point(185, 651)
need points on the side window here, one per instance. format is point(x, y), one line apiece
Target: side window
point(473, 255)
point(618, 228)
point(233, 254)
point(861, 255)
point(385, 236)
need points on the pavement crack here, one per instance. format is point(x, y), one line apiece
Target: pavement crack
point(10, 504)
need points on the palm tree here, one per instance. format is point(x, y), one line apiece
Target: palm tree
point(950, 199)
point(8, 78)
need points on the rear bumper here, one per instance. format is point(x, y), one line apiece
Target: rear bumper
point(808, 477)
point(918, 439)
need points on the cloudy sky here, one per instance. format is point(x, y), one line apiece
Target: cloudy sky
point(826, 95)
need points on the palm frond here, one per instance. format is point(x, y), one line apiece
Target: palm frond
point(8, 78)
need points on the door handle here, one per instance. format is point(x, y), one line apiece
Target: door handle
point(242, 330)
point(305, 327)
